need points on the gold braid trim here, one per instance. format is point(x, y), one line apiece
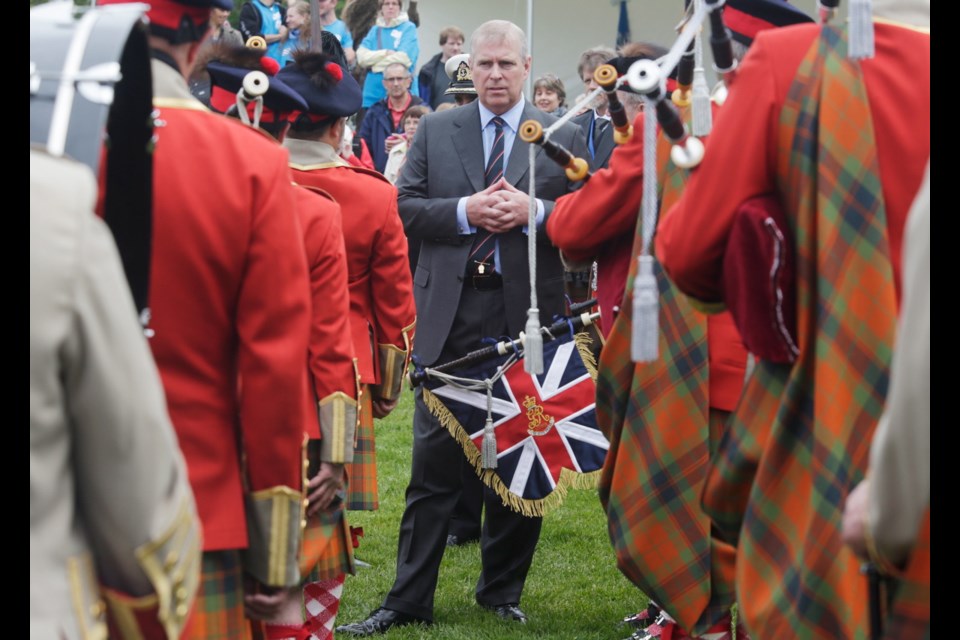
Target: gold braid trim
point(338, 423)
point(393, 365)
point(172, 564)
point(408, 338)
point(322, 165)
point(85, 598)
point(275, 524)
point(569, 479)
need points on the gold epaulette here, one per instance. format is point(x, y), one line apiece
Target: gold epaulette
point(339, 417)
point(172, 565)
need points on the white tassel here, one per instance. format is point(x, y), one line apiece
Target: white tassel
point(860, 43)
point(488, 449)
point(242, 110)
point(488, 453)
point(533, 344)
point(702, 115)
point(646, 313)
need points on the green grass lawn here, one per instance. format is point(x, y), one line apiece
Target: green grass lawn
point(573, 590)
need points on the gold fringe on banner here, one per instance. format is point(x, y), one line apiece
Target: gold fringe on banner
point(583, 341)
point(569, 479)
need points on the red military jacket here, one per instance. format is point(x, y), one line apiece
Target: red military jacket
point(230, 302)
point(600, 220)
point(331, 363)
point(741, 157)
point(382, 310)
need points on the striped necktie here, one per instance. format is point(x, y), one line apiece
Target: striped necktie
point(481, 256)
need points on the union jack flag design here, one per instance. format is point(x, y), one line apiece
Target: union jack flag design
point(545, 426)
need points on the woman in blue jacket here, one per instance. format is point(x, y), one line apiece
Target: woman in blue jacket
point(392, 39)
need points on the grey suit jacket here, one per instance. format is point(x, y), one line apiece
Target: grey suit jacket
point(603, 145)
point(110, 502)
point(445, 163)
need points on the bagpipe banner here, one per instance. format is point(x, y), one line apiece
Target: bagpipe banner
point(547, 438)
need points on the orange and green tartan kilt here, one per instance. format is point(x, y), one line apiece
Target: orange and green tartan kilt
point(733, 467)
point(327, 548)
point(910, 612)
point(218, 610)
point(723, 555)
point(361, 484)
point(662, 431)
point(660, 438)
point(795, 576)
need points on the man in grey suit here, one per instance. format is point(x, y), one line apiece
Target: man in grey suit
point(463, 193)
point(595, 121)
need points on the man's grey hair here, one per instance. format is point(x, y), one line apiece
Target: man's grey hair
point(396, 64)
point(500, 30)
point(593, 58)
point(630, 99)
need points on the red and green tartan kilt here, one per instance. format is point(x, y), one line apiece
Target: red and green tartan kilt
point(723, 555)
point(795, 576)
point(654, 471)
point(327, 548)
point(910, 611)
point(361, 483)
point(218, 610)
point(657, 418)
point(734, 466)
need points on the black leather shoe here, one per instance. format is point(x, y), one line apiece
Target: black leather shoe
point(453, 540)
point(509, 612)
point(380, 621)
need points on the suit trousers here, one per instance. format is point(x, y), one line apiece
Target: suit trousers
point(508, 540)
point(468, 513)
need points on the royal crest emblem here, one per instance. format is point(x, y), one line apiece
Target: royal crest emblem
point(463, 72)
point(538, 422)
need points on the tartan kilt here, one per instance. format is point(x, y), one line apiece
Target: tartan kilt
point(656, 416)
point(795, 576)
point(653, 474)
point(734, 467)
point(218, 610)
point(909, 617)
point(361, 483)
point(327, 548)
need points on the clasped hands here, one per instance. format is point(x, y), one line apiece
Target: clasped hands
point(498, 208)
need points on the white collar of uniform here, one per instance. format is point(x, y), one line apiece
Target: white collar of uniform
point(511, 117)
